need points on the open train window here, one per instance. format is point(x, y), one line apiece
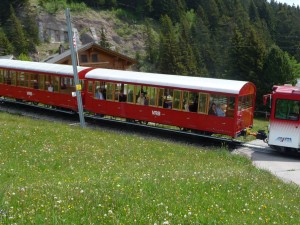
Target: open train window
point(177, 99)
point(129, 90)
point(203, 103)
point(110, 91)
point(22, 79)
point(287, 109)
point(33, 82)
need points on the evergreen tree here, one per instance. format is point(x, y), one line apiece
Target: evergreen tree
point(247, 56)
point(151, 44)
point(103, 39)
point(16, 34)
point(253, 13)
point(5, 5)
point(5, 46)
point(168, 51)
point(276, 71)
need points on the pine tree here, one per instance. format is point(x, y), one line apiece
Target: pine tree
point(151, 44)
point(16, 34)
point(5, 46)
point(168, 51)
point(103, 40)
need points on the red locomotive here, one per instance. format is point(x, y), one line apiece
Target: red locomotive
point(284, 128)
point(193, 103)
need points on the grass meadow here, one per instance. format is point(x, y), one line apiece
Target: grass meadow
point(52, 173)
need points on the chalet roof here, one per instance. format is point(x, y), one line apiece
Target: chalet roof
point(67, 53)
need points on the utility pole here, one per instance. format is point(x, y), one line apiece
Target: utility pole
point(74, 62)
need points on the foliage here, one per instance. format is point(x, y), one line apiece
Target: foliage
point(24, 57)
point(103, 39)
point(218, 38)
point(6, 47)
point(16, 34)
point(56, 174)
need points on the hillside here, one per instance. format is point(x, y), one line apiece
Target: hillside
point(124, 36)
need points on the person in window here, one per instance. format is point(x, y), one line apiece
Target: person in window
point(50, 87)
point(141, 99)
point(99, 94)
point(194, 106)
point(213, 109)
point(146, 101)
point(35, 84)
point(186, 105)
point(122, 96)
point(219, 110)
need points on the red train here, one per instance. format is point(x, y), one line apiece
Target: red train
point(193, 103)
point(284, 128)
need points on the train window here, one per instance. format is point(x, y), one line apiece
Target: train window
point(110, 91)
point(140, 95)
point(245, 102)
point(33, 83)
point(203, 103)
point(22, 79)
point(13, 77)
point(1, 76)
point(287, 109)
point(7, 78)
point(185, 101)
point(221, 103)
point(90, 86)
point(48, 85)
point(41, 81)
point(177, 99)
point(151, 95)
point(55, 83)
point(120, 92)
point(129, 90)
point(193, 101)
point(161, 97)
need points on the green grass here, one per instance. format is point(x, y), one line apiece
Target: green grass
point(52, 173)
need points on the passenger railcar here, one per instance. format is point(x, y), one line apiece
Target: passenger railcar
point(180, 101)
point(284, 127)
point(199, 104)
point(50, 84)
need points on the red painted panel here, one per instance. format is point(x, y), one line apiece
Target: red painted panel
point(41, 96)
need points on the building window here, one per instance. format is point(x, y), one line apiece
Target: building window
point(83, 58)
point(94, 58)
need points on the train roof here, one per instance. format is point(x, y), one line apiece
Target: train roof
point(39, 67)
point(286, 89)
point(175, 81)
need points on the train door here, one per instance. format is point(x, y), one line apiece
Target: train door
point(284, 130)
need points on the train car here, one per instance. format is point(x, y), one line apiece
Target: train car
point(205, 105)
point(284, 127)
point(50, 84)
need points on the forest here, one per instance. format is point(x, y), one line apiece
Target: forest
point(253, 40)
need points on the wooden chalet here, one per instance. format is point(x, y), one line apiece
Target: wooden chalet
point(93, 55)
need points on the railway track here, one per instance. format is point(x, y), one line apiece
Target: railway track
point(95, 121)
